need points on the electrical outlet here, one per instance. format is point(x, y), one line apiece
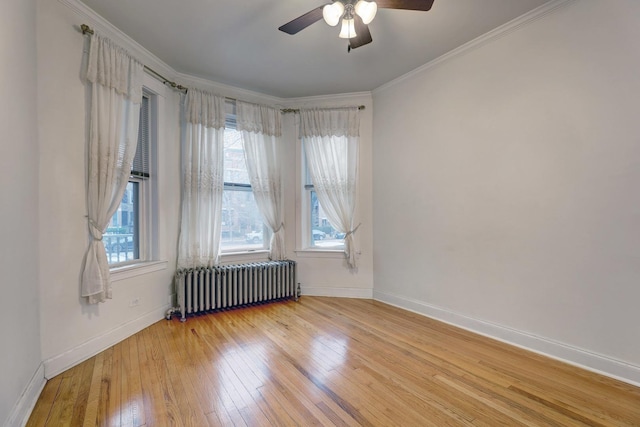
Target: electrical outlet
point(135, 302)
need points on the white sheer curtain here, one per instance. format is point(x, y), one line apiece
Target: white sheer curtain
point(203, 180)
point(330, 138)
point(261, 132)
point(115, 80)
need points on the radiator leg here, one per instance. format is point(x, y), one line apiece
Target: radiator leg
point(171, 312)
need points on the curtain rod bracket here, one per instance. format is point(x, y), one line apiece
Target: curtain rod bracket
point(86, 29)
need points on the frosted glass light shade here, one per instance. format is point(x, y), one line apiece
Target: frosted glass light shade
point(366, 10)
point(332, 13)
point(348, 29)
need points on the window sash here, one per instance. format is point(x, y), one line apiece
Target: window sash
point(132, 247)
point(123, 244)
point(231, 242)
point(141, 162)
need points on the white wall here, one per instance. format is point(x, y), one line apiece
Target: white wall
point(19, 319)
point(506, 187)
point(71, 329)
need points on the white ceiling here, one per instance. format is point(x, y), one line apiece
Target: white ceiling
point(237, 43)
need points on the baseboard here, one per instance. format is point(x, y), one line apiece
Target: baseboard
point(60, 363)
point(585, 359)
point(22, 409)
point(327, 291)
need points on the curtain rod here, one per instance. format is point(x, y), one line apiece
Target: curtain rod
point(297, 110)
point(88, 30)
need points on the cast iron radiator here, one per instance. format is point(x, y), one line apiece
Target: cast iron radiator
point(215, 288)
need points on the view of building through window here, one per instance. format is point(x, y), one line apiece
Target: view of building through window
point(323, 235)
point(125, 233)
point(242, 225)
point(121, 240)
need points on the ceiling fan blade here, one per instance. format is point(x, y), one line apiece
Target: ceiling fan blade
point(363, 36)
point(302, 22)
point(406, 4)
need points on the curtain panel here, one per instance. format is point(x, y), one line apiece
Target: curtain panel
point(261, 131)
point(114, 80)
point(202, 179)
point(330, 138)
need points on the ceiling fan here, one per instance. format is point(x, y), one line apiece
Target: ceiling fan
point(355, 16)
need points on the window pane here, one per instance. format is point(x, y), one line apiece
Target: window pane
point(141, 161)
point(235, 168)
point(242, 226)
point(323, 235)
point(121, 240)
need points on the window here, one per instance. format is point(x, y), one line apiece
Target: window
point(126, 239)
point(242, 226)
point(318, 232)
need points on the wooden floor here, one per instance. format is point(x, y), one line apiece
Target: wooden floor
point(326, 361)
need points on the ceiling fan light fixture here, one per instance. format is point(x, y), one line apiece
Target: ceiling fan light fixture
point(348, 29)
point(366, 10)
point(332, 13)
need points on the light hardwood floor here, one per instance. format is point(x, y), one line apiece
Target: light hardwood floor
point(326, 361)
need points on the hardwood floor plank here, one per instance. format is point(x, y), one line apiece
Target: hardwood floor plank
point(253, 358)
point(173, 413)
point(210, 404)
point(82, 396)
point(105, 394)
point(252, 380)
point(115, 390)
point(152, 397)
point(223, 403)
point(439, 400)
point(42, 408)
point(93, 399)
point(182, 370)
point(127, 400)
point(135, 397)
point(327, 361)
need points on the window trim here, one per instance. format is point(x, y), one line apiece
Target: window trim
point(230, 123)
point(123, 272)
point(147, 217)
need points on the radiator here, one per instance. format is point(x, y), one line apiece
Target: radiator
point(202, 290)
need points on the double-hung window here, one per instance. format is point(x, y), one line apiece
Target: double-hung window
point(127, 237)
point(318, 233)
point(243, 229)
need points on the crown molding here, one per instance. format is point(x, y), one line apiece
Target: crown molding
point(101, 25)
point(501, 31)
point(331, 101)
point(88, 16)
point(348, 95)
point(226, 90)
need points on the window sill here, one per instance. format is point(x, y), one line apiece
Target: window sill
point(132, 270)
point(238, 257)
point(320, 253)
